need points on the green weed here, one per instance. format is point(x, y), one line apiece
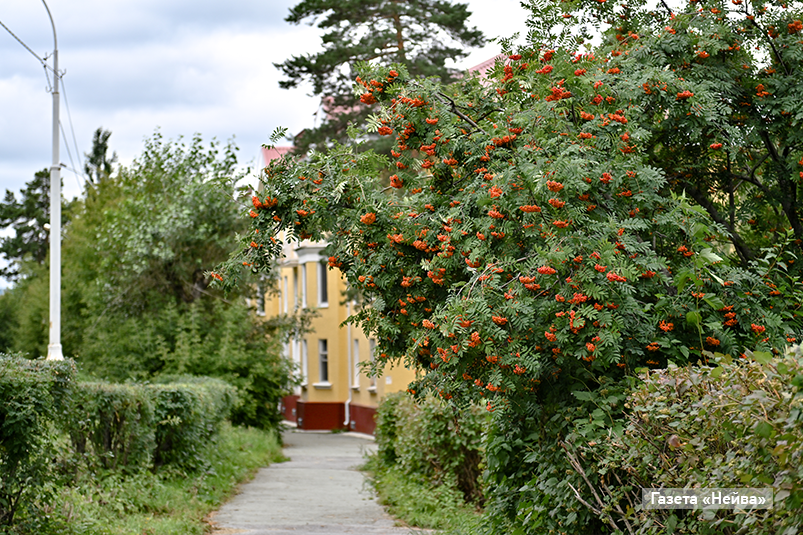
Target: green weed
point(419, 503)
point(171, 501)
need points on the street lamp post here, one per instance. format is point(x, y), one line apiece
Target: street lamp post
point(54, 346)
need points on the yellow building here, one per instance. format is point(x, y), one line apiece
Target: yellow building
point(335, 393)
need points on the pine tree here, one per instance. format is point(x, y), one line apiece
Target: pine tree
point(98, 165)
point(26, 219)
point(421, 34)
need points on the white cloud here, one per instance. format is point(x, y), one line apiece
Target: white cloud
point(181, 65)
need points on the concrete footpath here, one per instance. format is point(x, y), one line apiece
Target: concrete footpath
point(318, 491)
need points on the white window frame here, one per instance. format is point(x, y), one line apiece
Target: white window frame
point(303, 285)
point(355, 380)
point(372, 356)
point(323, 286)
point(285, 296)
point(295, 289)
point(323, 364)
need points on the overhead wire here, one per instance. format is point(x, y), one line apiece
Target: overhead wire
point(72, 130)
point(42, 61)
point(47, 67)
point(69, 155)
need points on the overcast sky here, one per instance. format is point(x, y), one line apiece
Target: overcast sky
point(182, 66)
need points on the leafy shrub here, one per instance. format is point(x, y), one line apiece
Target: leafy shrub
point(187, 415)
point(32, 395)
point(132, 427)
point(738, 423)
point(112, 425)
point(529, 476)
point(429, 439)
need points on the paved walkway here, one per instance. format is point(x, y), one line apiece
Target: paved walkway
point(317, 492)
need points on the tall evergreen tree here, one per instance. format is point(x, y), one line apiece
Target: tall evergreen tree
point(26, 219)
point(98, 165)
point(421, 34)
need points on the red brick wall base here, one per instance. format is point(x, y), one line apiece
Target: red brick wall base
point(319, 415)
point(362, 419)
point(289, 408)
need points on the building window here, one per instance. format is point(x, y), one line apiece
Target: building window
point(356, 361)
point(372, 356)
point(303, 286)
point(323, 286)
point(323, 361)
point(295, 289)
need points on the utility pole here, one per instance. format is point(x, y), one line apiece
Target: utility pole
point(54, 346)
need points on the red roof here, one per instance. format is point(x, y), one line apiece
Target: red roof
point(483, 67)
point(276, 152)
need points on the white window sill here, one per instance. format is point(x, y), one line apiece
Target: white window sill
point(355, 388)
point(323, 305)
point(322, 386)
point(372, 389)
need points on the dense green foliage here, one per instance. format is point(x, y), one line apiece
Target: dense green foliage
point(718, 84)
point(422, 34)
point(535, 247)
point(573, 217)
point(57, 434)
point(736, 424)
point(530, 478)
point(136, 302)
point(429, 460)
point(131, 427)
point(33, 396)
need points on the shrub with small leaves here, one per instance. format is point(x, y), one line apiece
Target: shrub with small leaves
point(430, 439)
point(732, 424)
point(34, 395)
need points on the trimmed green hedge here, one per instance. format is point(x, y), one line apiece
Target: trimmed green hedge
point(187, 415)
point(33, 396)
point(45, 415)
point(134, 426)
point(111, 426)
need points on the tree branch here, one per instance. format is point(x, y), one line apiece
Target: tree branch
point(764, 33)
point(458, 112)
point(744, 252)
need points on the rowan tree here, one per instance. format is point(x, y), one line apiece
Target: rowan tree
point(732, 141)
point(562, 224)
point(424, 35)
point(524, 234)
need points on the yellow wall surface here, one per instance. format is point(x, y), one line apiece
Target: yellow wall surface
point(300, 285)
